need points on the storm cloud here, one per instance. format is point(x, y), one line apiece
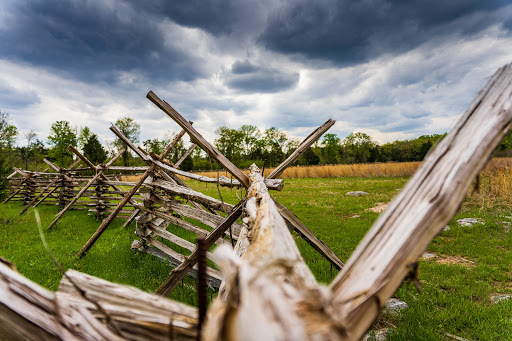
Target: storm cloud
point(390, 68)
point(93, 41)
point(349, 32)
point(249, 78)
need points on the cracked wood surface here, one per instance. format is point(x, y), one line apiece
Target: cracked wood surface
point(425, 205)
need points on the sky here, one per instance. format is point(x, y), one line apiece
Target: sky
point(391, 69)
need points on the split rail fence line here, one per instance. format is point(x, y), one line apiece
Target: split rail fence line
point(269, 292)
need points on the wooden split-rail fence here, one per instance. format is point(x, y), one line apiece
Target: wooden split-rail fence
point(66, 186)
point(267, 291)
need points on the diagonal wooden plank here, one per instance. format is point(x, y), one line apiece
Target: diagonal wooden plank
point(184, 156)
point(82, 191)
point(181, 271)
point(106, 222)
point(198, 139)
point(301, 149)
point(426, 204)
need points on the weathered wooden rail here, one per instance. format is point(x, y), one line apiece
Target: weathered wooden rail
point(268, 293)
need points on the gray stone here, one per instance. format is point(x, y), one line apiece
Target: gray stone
point(469, 221)
point(394, 306)
point(500, 298)
point(357, 193)
point(446, 228)
point(428, 255)
point(377, 335)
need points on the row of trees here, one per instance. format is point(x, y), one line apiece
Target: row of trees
point(242, 146)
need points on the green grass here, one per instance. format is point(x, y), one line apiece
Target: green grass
point(456, 297)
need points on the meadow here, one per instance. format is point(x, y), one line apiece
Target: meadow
point(471, 264)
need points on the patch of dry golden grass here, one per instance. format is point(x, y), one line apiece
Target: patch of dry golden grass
point(368, 170)
point(495, 183)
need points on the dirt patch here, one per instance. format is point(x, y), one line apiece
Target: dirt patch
point(451, 260)
point(379, 208)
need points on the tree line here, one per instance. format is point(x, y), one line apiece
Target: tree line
point(243, 146)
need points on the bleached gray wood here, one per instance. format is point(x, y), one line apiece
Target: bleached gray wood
point(204, 217)
point(213, 237)
point(98, 175)
point(213, 277)
point(190, 194)
point(184, 156)
point(30, 312)
point(162, 232)
point(421, 210)
point(272, 293)
point(139, 315)
point(128, 197)
point(183, 224)
point(301, 149)
point(198, 139)
point(273, 184)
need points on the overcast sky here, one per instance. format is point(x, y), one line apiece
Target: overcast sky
point(391, 69)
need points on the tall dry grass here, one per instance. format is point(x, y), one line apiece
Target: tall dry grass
point(367, 170)
point(495, 181)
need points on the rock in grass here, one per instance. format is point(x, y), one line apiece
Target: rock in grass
point(356, 193)
point(394, 306)
point(428, 255)
point(377, 335)
point(446, 228)
point(469, 221)
point(500, 298)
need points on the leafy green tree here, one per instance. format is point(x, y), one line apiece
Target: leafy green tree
point(61, 136)
point(155, 145)
point(357, 148)
point(8, 132)
point(83, 137)
point(251, 145)
point(187, 164)
point(230, 143)
point(275, 142)
point(94, 151)
point(331, 144)
point(131, 130)
point(4, 172)
point(310, 157)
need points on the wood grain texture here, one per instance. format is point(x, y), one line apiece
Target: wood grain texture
point(425, 205)
point(271, 294)
point(198, 139)
point(301, 149)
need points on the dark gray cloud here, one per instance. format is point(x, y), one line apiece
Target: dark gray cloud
point(93, 41)
point(249, 78)
point(12, 98)
point(217, 17)
point(349, 32)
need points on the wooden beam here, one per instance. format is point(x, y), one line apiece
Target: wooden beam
point(184, 156)
point(272, 293)
point(68, 206)
point(82, 191)
point(301, 149)
point(54, 181)
point(198, 139)
point(273, 184)
point(181, 271)
point(202, 216)
point(421, 210)
point(106, 222)
point(191, 195)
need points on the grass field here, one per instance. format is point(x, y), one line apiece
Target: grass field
point(471, 263)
